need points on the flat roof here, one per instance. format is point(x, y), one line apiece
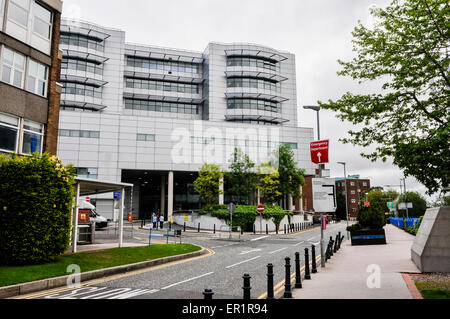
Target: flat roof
point(90, 186)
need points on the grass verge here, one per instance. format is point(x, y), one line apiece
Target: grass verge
point(88, 261)
point(433, 289)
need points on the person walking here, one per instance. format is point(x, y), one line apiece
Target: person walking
point(155, 219)
point(161, 221)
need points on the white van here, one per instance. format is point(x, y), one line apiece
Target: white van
point(100, 221)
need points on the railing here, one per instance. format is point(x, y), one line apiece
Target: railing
point(400, 222)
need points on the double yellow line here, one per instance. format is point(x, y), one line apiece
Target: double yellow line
point(278, 288)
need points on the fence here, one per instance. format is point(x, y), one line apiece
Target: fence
point(400, 222)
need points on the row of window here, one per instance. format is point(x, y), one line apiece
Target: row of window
point(174, 66)
point(81, 65)
point(253, 83)
point(145, 137)
point(79, 133)
point(253, 104)
point(162, 86)
point(87, 172)
point(253, 62)
point(81, 89)
point(16, 67)
point(239, 142)
point(81, 41)
point(20, 135)
point(257, 122)
point(161, 106)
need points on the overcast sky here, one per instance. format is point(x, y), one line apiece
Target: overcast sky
point(318, 32)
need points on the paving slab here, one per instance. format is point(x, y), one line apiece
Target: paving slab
point(352, 272)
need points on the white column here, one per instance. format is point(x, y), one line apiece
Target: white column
point(122, 204)
point(75, 229)
point(289, 198)
point(259, 197)
point(221, 187)
point(170, 196)
point(301, 199)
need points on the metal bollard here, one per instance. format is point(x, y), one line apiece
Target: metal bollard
point(214, 231)
point(331, 247)
point(339, 241)
point(298, 275)
point(307, 273)
point(184, 227)
point(208, 293)
point(254, 229)
point(335, 244)
point(170, 226)
point(270, 294)
point(198, 227)
point(313, 259)
point(285, 229)
point(267, 229)
point(287, 280)
point(246, 286)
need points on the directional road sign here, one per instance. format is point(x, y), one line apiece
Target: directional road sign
point(319, 151)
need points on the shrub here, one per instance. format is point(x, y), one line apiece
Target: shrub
point(371, 218)
point(36, 194)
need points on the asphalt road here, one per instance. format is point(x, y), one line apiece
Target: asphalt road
point(221, 271)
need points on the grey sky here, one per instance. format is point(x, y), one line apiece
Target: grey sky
point(318, 32)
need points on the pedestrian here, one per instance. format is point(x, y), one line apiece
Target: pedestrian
point(154, 221)
point(161, 221)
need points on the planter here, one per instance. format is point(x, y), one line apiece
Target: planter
point(368, 237)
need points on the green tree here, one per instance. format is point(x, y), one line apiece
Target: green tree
point(241, 179)
point(408, 51)
point(269, 183)
point(291, 177)
point(419, 205)
point(441, 201)
point(379, 198)
point(207, 185)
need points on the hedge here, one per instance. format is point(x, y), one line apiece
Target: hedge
point(245, 215)
point(36, 194)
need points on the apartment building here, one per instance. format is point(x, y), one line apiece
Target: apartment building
point(355, 186)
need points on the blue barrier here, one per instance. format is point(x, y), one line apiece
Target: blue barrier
point(163, 235)
point(400, 222)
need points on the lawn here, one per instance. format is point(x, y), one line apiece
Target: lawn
point(87, 261)
point(434, 289)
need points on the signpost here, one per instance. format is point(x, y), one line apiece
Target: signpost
point(390, 204)
point(324, 195)
point(319, 151)
point(260, 210)
point(231, 209)
point(405, 205)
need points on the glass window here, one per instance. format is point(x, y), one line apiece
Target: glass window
point(18, 11)
point(9, 128)
point(37, 78)
point(85, 172)
point(13, 67)
point(32, 137)
point(42, 21)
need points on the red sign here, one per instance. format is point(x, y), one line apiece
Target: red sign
point(260, 209)
point(367, 204)
point(88, 199)
point(319, 151)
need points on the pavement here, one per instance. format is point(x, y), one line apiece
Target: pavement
point(364, 272)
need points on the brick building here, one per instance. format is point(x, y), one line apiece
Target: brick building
point(355, 186)
point(30, 64)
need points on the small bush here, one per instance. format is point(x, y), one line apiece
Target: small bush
point(36, 194)
point(371, 218)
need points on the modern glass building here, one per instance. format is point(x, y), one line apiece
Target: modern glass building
point(153, 116)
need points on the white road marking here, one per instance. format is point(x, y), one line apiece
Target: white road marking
point(275, 251)
point(315, 244)
point(311, 238)
point(181, 282)
point(134, 293)
point(254, 239)
point(244, 261)
point(249, 251)
point(298, 243)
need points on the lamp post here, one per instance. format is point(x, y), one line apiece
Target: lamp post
point(346, 195)
point(317, 109)
point(401, 191)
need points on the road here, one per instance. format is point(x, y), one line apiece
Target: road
point(221, 270)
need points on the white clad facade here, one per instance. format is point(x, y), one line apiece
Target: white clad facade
point(153, 116)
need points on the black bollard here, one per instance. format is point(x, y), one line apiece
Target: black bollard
point(287, 280)
point(254, 229)
point(267, 229)
point(339, 241)
point(170, 226)
point(335, 244)
point(313, 259)
point(285, 229)
point(270, 281)
point(298, 275)
point(198, 227)
point(246, 286)
point(214, 231)
point(208, 294)
point(184, 227)
point(331, 247)
point(307, 273)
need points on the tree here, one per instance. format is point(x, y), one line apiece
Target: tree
point(291, 177)
point(408, 120)
point(441, 201)
point(269, 183)
point(207, 185)
point(379, 198)
point(241, 178)
point(418, 202)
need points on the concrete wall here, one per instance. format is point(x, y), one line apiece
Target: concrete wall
point(431, 248)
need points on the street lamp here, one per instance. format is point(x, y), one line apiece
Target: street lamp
point(346, 195)
point(317, 109)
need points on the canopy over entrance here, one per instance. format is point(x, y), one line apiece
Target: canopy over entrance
point(86, 187)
